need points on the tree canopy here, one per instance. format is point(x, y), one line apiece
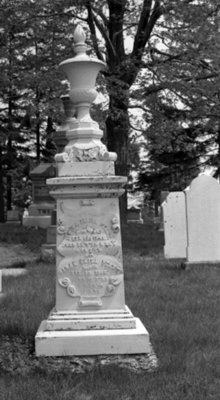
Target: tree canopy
point(162, 58)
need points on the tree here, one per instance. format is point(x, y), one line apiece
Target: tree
point(186, 29)
point(176, 148)
point(32, 42)
point(181, 95)
point(161, 47)
point(11, 46)
point(113, 20)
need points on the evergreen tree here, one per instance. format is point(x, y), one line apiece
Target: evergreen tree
point(161, 47)
point(170, 48)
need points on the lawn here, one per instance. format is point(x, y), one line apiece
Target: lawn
point(180, 308)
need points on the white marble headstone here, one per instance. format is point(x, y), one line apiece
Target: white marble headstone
point(174, 215)
point(203, 218)
point(90, 316)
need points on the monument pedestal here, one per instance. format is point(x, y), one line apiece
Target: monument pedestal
point(90, 316)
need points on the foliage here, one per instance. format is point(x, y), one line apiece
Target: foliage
point(174, 153)
point(33, 43)
point(181, 105)
point(159, 51)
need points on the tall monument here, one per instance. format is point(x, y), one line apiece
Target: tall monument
point(90, 316)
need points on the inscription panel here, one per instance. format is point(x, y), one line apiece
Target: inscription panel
point(92, 266)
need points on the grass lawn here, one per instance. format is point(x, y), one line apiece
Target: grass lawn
point(180, 308)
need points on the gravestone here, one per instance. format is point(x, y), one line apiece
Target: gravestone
point(43, 204)
point(134, 215)
point(14, 216)
point(90, 316)
point(48, 249)
point(134, 208)
point(174, 215)
point(203, 220)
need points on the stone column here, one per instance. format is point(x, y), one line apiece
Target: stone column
point(90, 316)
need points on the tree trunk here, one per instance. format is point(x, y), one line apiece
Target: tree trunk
point(2, 206)
point(9, 192)
point(122, 69)
point(117, 125)
point(9, 168)
point(38, 124)
point(38, 152)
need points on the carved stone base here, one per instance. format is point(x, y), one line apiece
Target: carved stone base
point(66, 320)
point(92, 341)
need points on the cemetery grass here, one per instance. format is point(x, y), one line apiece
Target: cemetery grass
point(180, 308)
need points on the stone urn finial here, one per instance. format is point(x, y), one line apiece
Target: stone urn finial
point(79, 38)
point(80, 46)
point(84, 134)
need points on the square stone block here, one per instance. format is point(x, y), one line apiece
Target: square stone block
point(92, 342)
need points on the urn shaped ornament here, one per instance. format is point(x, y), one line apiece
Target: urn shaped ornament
point(84, 134)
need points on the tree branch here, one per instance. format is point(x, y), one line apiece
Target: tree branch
point(101, 15)
point(145, 26)
point(116, 16)
point(144, 18)
point(156, 14)
point(138, 106)
point(135, 128)
point(90, 21)
point(105, 36)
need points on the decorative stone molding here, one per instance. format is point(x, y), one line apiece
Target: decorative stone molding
point(87, 187)
point(98, 153)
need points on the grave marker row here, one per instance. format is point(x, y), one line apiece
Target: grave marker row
point(192, 222)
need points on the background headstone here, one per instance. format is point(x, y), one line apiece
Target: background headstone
point(174, 214)
point(135, 206)
point(203, 219)
point(43, 204)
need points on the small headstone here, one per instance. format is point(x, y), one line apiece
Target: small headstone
point(13, 215)
point(134, 215)
point(39, 212)
point(134, 209)
point(203, 217)
point(174, 214)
